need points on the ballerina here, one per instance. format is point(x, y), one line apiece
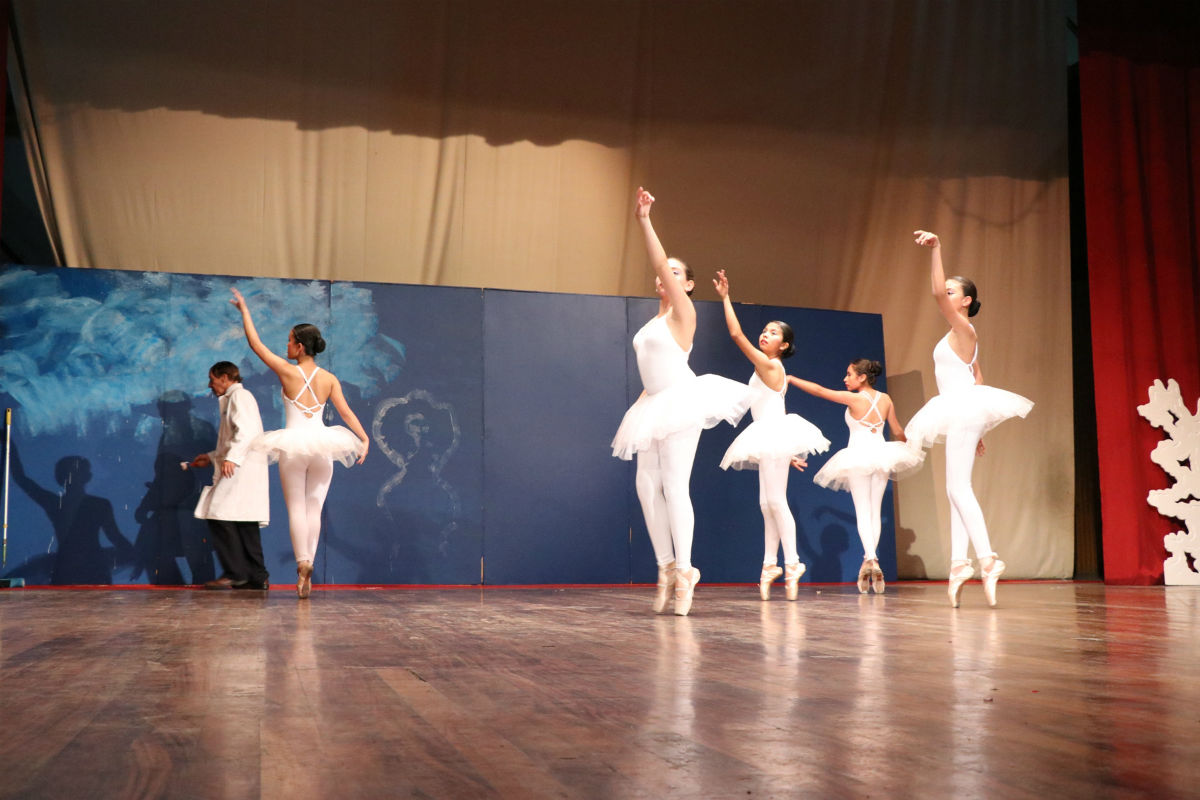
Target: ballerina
point(772, 442)
point(962, 411)
point(663, 427)
point(865, 464)
point(305, 448)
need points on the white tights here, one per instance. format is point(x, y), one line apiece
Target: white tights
point(305, 482)
point(867, 493)
point(966, 517)
point(779, 527)
point(664, 476)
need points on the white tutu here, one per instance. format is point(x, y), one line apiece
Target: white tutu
point(774, 439)
point(695, 402)
point(972, 406)
point(335, 442)
point(894, 459)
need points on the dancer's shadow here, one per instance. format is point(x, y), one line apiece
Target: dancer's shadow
point(825, 562)
point(78, 518)
point(908, 563)
point(168, 528)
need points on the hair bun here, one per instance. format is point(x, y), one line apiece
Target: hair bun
point(319, 346)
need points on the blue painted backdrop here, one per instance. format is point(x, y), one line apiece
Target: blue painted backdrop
point(490, 414)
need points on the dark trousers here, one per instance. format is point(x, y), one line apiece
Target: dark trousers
point(239, 549)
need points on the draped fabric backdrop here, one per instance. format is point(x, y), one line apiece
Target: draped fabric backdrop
point(476, 143)
point(1140, 105)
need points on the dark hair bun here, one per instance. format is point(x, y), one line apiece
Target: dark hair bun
point(308, 336)
point(973, 309)
point(868, 368)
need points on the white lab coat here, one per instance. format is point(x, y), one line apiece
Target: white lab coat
point(246, 496)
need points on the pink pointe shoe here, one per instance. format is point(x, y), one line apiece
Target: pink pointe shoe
point(877, 577)
point(960, 573)
point(770, 572)
point(304, 571)
point(791, 579)
point(864, 577)
point(662, 590)
point(991, 576)
point(685, 587)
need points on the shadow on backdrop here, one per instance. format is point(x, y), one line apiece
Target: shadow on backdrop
point(78, 519)
point(168, 529)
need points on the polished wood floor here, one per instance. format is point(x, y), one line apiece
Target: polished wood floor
point(1066, 690)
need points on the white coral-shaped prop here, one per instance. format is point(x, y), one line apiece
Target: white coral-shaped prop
point(1179, 457)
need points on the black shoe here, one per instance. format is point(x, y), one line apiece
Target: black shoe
point(255, 586)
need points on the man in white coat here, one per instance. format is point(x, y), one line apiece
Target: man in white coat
point(238, 500)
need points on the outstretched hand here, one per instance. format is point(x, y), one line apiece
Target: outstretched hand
point(644, 200)
point(721, 284)
point(926, 239)
point(238, 301)
point(799, 463)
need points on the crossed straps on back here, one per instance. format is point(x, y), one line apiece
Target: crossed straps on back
point(308, 411)
point(873, 427)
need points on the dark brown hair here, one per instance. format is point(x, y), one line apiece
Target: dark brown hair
point(969, 290)
point(226, 369)
point(868, 369)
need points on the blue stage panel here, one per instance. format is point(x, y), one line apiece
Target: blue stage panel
point(411, 512)
point(555, 500)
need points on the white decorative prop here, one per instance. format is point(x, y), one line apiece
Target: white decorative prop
point(1179, 456)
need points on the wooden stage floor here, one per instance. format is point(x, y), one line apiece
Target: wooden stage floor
point(1065, 690)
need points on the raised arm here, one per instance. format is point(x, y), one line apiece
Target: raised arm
point(681, 305)
point(343, 409)
point(937, 279)
point(845, 398)
point(278, 365)
point(47, 500)
point(768, 371)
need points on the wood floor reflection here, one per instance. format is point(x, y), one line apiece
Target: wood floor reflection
point(1075, 690)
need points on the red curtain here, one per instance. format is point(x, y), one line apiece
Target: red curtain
point(1139, 74)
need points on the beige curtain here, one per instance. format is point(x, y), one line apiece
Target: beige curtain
point(794, 143)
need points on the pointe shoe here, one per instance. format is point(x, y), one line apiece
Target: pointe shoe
point(662, 591)
point(791, 579)
point(877, 578)
point(864, 577)
point(960, 573)
point(304, 571)
point(685, 587)
point(991, 576)
point(770, 572)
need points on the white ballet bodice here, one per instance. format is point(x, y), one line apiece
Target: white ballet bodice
point(296, 412)
point(950, 371)
point(865, 430)
point(661, 362)
point(766, 402)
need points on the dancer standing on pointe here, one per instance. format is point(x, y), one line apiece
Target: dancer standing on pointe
point(772, 442)
point(960, 414)
point(864, 465)
point(306, 448)
point(663, 427)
